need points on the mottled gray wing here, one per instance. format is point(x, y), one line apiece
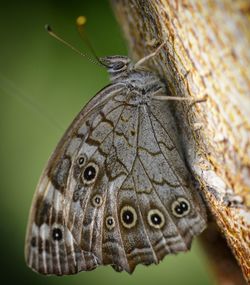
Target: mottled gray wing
point(167, 210)
point(52, 245)
point(116, 191)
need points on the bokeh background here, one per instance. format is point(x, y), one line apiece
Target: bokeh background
point(43, 85)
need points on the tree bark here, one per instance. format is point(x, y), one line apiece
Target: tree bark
point(206, 53)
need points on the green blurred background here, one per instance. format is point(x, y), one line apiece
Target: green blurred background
point(43, 85)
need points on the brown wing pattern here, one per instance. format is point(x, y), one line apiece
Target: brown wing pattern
point(116, 191)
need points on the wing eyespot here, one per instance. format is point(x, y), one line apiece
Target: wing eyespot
point(128, 217)
point(110, 223)
point(81, 160)
point(90, 173)
point(57, 234)
point(97, 200)
point(180, 207)
point(156, 219)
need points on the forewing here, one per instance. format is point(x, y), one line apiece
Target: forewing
point(54, 236)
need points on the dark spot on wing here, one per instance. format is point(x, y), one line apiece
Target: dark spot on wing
point(59, 174)
point(42, 210)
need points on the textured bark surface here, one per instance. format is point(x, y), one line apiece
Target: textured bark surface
point(206, 53)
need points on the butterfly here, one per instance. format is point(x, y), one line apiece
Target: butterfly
point(116, 190)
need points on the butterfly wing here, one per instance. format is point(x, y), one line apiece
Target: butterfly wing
point(116, 191)
point(154, 208)
point(52, 238)
point(167, 209)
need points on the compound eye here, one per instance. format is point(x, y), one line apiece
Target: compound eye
point(118, 65)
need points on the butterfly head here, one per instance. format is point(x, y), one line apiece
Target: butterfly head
point(117, 66)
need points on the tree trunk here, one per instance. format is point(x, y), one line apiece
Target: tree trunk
point(206, 53)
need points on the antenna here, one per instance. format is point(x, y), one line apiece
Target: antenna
point(54, 35)
point(80, 22)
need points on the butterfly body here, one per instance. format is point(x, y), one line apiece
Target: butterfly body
point(116, 189)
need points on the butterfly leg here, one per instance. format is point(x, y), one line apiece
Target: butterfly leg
point(199, 100)
point(197, 126)
point(147, 57)
point(173, 98)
